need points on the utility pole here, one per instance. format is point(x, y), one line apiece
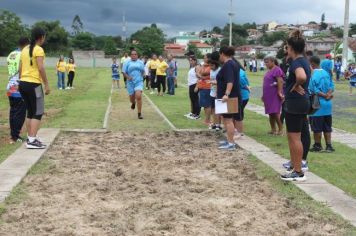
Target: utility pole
point(124, 26)
point(231, 14)
point(346, 34)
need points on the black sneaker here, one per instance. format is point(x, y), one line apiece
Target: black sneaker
point(316, 148)
point(36, 144)
point(139, 116)
point(218, 128)
point(294, 176)
point(133, 106)
point(329, 148)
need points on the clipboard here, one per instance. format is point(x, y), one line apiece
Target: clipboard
point(229, 107)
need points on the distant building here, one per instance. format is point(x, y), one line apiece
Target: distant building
point(321, 46)
point(254, 34)
point(351, 49)
point(245, 50)
point(270, 26)
point(174, 49)
point(204, 48)
point(185, 37)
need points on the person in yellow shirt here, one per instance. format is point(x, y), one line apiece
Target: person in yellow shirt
point(161, 76)
point(32, 74)
point(61, 72)
point(71, 73)
point(152, 66)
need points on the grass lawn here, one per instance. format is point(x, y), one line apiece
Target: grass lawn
point(82, 107)
point(337, 168)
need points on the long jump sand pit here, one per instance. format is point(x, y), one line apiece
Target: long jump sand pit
point(152, 184)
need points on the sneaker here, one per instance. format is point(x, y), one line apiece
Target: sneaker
point(294, 176)
point(67, 88)
point(139, 116)
point(133, 105)
point(287, 165)
point(223, 142)
point(329, 148)
point(152, 92)
point(189, 114)
point(218, 128)
point(212, 126)
point(228, 147)
point(196, 117)
point(35, 145)
point(316, 148)
point(305, 166)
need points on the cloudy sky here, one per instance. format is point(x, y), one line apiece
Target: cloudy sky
point(105, 16)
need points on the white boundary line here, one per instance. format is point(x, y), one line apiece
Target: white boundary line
point(108, 111)
point(160, 113)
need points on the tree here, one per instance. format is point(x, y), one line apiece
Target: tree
point(338, 32)
point(148, 41)
point(352, 29)
point(193, 48)
point(312, 23)
point(56, 36)
point(271, 38)
point(250, 26)
point(83, 41)
point(77, 25)
point(11, 29)
point(236, 30)
point(216, 30)
point(110, 46)
point(323, 25)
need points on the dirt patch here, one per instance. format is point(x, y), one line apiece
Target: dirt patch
point(152, 184)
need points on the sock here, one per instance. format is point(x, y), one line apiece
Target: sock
point(139, 114)
point(31, 139)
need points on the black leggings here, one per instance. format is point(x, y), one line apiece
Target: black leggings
point(71, 75)
point(33, 96)
point(305, 137)
point(194, 100)
point(17, 116)
point(161, 81)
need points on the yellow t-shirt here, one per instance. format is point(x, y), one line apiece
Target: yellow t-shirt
point(153, 64)
point(70, 67)
point(61, 66)
point(31, 73)
point(162, 68)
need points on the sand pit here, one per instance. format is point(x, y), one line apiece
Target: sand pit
point(152, 184)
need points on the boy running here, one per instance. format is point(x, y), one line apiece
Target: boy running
point(115, 73)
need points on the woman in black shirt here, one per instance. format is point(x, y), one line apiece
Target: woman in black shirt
point(228, 86)
point(297, 103)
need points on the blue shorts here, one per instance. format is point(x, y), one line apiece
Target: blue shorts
point(133, 86)
point(204, 98)
point(116, 77)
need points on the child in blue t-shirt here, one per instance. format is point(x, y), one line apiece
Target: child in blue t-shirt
point(115, 73)
point(322, 85)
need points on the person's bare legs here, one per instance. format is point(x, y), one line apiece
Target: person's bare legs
point(138, 97)
point(327, 137)
point(230, 129)
point(317, 137)
point(272, 122)
point(296, 150)
point(279, 123)
point(239, 126)
point(207, 111)
point(33, 127)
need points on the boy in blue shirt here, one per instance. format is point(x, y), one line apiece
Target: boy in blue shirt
point(115, 73)
point(327, 65)
point(337, 68)
point(321, 121)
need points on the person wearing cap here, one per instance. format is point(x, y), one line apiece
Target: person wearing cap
point(327, 65)
point(17, 104)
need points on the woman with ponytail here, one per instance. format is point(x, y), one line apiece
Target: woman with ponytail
point(32, 76)
point(297, 106)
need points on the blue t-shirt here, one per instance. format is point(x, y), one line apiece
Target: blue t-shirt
point(213, 74)
point(229, 73)
point(115, 70)
point(300, 62)
point(171, 69)
point(134, 69)
point(327, 65)
point(244, 83)
point(322, 82)
point(338, 66)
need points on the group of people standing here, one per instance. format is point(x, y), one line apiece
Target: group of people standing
point(63, 68)
point(220, 76)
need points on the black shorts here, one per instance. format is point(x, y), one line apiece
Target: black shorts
point(294, 122)
point(321, 124)
point(32, 94)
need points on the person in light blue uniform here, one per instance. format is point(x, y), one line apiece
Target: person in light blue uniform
point(337, 68)
point(245, 96)
point(115, 73)
point(133, 71)
point(327, 65)
point(322, 85)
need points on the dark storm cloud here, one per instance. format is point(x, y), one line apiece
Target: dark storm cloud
point(105, 16)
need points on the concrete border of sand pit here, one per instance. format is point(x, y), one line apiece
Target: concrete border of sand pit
point(17, 165)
